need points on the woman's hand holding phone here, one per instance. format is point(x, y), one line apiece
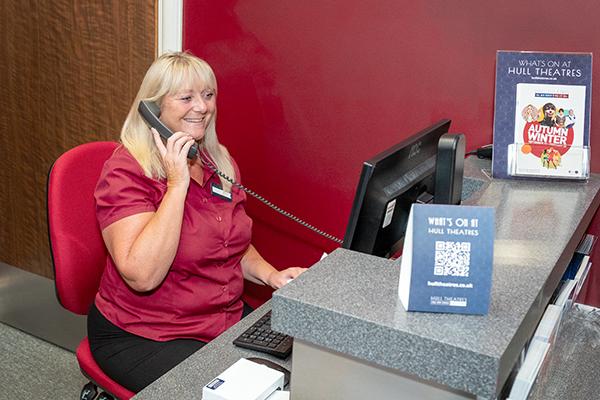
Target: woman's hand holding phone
point(174, 154)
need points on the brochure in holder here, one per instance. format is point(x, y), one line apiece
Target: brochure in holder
point(548, 161)
point(542, 115)
point(447, 259)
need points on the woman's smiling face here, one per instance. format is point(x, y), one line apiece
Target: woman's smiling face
point(189, 110)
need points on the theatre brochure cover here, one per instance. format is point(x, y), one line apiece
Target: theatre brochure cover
point(542, 115)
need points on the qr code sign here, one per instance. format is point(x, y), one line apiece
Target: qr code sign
point(452, 258)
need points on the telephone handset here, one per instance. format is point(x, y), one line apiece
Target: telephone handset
point(150, 111)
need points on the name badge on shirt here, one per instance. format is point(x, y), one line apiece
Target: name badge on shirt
point(217, 190)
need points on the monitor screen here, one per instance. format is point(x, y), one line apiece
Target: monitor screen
point(389, 184)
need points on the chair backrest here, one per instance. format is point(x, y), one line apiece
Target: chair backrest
point(78, 251)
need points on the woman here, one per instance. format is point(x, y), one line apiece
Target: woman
point(177, 234)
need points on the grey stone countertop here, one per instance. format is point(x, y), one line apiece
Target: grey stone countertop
point(570, 370)
point(348, 302)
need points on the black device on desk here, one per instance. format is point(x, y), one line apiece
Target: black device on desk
point(424, 168)
point(260, 337)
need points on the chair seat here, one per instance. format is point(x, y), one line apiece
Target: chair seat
point(94, 373)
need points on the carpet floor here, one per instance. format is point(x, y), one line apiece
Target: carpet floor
point(31, 368)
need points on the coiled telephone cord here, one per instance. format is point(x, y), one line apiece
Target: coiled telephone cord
point(271, 205)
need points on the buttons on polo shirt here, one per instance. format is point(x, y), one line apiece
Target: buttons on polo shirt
point(219, 219)
point(204, 200)
point(224, 288)
point(226, 243)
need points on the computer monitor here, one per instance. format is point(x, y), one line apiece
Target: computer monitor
point(389, 184)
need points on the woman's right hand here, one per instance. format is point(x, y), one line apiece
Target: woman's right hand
point(174, 155)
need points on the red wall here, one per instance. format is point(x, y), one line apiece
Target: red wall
point(310, 89)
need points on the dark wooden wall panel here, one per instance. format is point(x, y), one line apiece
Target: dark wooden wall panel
point(68, 73)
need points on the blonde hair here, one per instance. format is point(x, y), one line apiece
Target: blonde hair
point(168, 74)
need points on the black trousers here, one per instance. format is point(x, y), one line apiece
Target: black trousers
point(133, 361)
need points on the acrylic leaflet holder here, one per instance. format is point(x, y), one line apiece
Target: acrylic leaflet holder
point(543, 161)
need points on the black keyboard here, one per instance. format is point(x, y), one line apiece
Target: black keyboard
point(260, 337)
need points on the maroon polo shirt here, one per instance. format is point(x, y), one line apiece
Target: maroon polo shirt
point(200, 296)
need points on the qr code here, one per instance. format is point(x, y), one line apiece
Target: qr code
point(452, 258)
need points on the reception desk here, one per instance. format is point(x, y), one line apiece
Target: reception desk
point(354, 340)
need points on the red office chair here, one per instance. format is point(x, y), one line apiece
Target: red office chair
point(76, 245)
